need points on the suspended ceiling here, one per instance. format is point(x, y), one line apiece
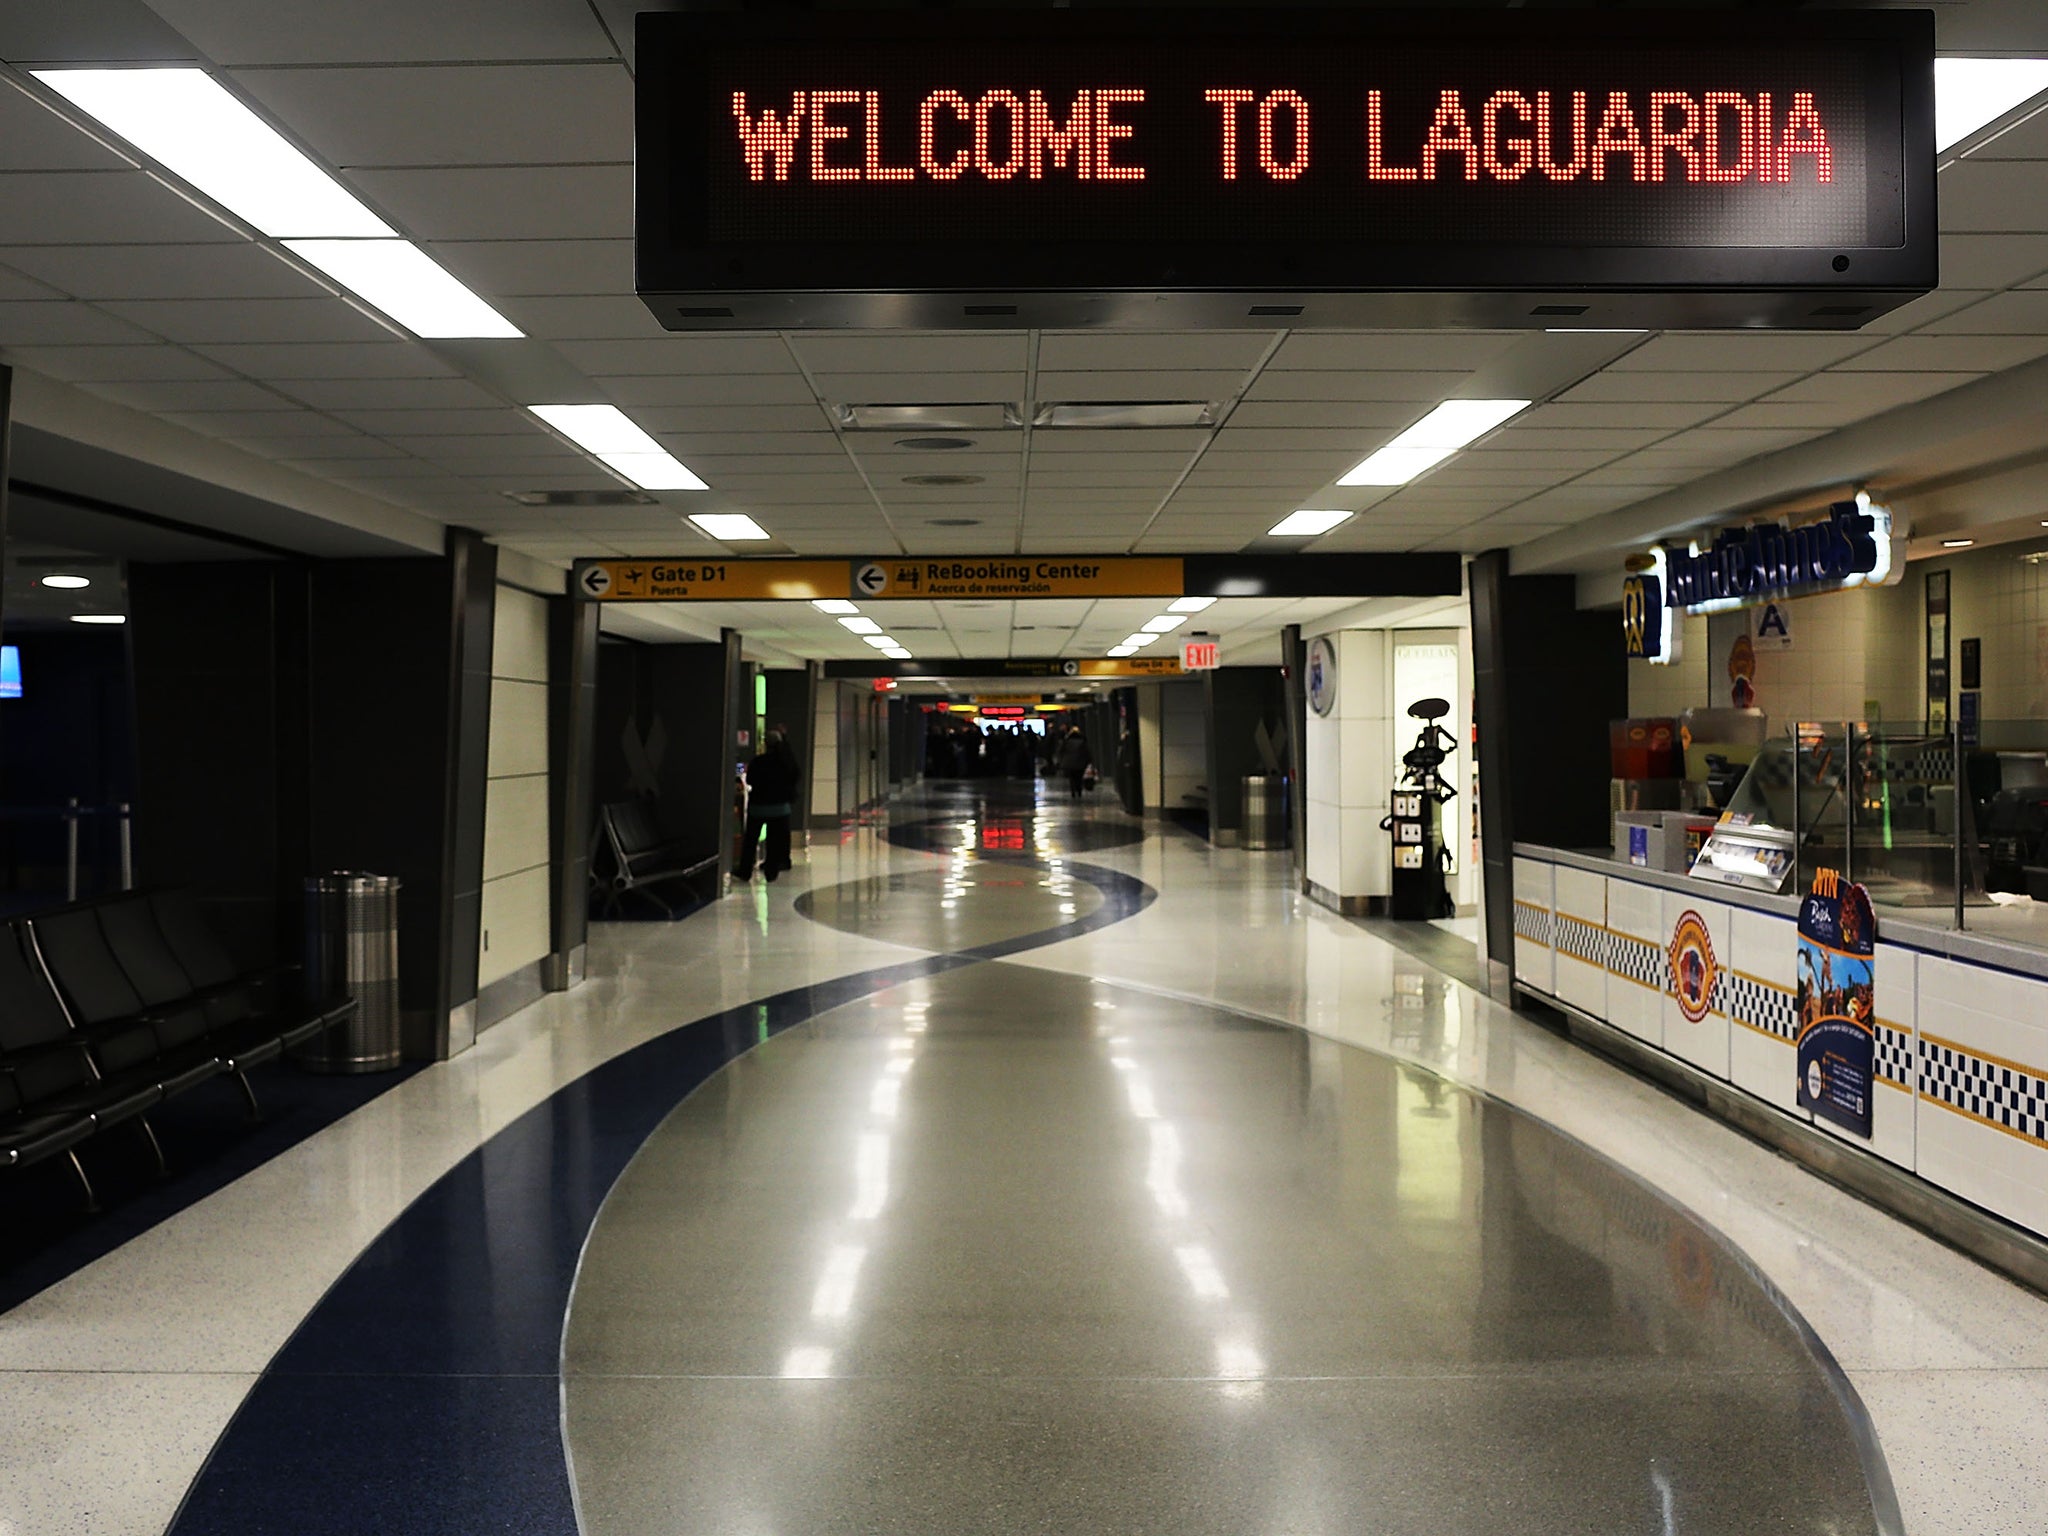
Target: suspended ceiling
point(500, 136)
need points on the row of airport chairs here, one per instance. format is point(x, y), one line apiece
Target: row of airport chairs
point(110, 1007)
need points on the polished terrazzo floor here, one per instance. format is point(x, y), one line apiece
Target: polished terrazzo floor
point(1125, 1192)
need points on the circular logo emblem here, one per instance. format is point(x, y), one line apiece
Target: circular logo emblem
point(1692, 966)
point(1322, 675)
point(1813, 1081)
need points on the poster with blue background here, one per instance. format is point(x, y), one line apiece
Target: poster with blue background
point(1836, 1003)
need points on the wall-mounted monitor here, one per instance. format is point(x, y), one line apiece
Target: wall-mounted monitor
point(10, 671)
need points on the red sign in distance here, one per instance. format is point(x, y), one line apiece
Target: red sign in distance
point(1200, 656)
point(885, 685)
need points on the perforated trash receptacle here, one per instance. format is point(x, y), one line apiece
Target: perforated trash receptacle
point(352, 951)
point(1265, 812)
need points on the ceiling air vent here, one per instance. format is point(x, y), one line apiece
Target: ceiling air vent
point(1269, 310)
point(618, 498)
point(1560, 309)
point(943, 479)
point(1125, 413)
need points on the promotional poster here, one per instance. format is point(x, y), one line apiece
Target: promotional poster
point(1837, 1002)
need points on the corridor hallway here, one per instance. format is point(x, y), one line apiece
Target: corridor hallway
point(1014, 1166)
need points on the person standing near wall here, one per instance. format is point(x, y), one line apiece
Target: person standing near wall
point(771, 784)
point(1074, 759)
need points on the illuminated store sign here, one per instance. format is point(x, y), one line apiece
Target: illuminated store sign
point(1854, 546)
point(854, 157)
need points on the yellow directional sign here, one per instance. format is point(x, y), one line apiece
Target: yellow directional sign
point(1131, 666)
point(1000, 576)
point(702, 581)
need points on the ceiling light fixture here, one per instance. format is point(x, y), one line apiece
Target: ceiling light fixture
point(994, 417)
point(1139, 640)
point(408, 285)
point(1126, 413)
point(897, 653)
point(1957, 543)
point(862, 625)
point(67, 583)
point(197, 129)
point(1123, 650)
point(1973, 93)
point(607, 434)
point(833, 605)
point(1166, 623)
point(1189, 604)
point(99, 618)
point(882, 642)
point(1307, 523)
point(192, 125)
point(1433, 439)
point(730, 527)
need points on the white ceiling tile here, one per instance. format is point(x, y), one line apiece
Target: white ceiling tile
point(1979, 196)
point(386, 359)
point(1689, 386)
point(910, 354)
point(502, 269)
point(1868, 392)
point(706, 356)
point(725, 390)
point(536, 445)
point(380, 394)
point(1405, 350)
point(100, 208)
point(316, 450)
point(582, 202)
point(1152, 351)
point(1992, 261)
point(203, 395)
point(248, 32)
point(736, 444)
point(1159, 445)
point(220, 321)
point(1054, 480)
point(1667, 416)
point(1791, 413)
point(424, 422)
point(33, 138)
point(738, 419)
point(16, 285)
point(63, 322)
point(1157, 384)
point(1951, 354)
point(217, 271)
point(921, 389)
point(1610, 440)
point(1740, 351)
point(421, 114)
point(1356, 416)
point(1929, 307)
point(2021, 313)
point(116, 364)
point(1413, 387)
point(590, 317)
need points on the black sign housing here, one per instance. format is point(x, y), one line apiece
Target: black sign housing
point(1163, 169)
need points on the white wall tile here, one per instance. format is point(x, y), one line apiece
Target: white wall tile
point(519, 728)
point(515, 825)
point(514, 922)
point(519, 635)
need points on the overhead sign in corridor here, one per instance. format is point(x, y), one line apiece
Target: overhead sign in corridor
point(1014, 576)
point(819, 166)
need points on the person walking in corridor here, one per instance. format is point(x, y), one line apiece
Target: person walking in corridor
point(1073, 761)
point(771, 800)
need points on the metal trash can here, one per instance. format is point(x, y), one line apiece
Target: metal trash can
point(1264, 818)
point(352, 951)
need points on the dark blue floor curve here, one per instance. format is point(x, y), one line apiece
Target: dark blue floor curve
point(421, 1396)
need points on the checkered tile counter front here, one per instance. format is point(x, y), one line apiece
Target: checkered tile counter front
point(1986, 1090)
point(1639, 960)
point(1761, 1005)
point(1893, 1062)
point(1581, 940)
point(1532, 923)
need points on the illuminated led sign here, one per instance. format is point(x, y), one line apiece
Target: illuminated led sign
point(1028, 167)
point(1855, 545)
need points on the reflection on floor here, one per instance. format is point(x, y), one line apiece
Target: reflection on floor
point(1195, 1208)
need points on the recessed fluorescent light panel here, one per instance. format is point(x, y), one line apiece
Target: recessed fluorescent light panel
point(1126, 413)
point(65, 583)
point(882, 642)
point(1189, 604)
point(897, 653)
point(99, 618)
point(1307, 523)
point(833, 605)
point(729, 527)
point(194, 127)
point(1139, 640)
point(995, 417)
point(1972, 93)
point(605, 432)
point(1123, 650)
point(1432, 440)
point(862, 626)
point(1166, 623)
point(403, 281)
